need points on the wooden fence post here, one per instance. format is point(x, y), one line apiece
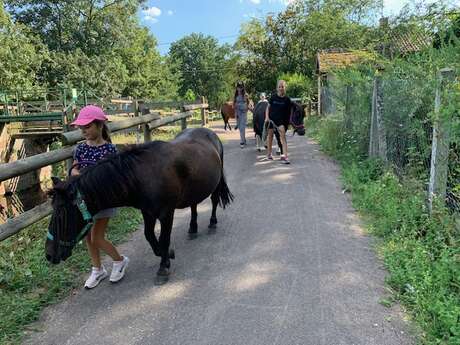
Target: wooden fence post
point(147, 133)
point(183, 122)
point(203, 112)
point(146, 126)
point(66, 127)
point(377, 141)
point(136, 114)
point(440, 144)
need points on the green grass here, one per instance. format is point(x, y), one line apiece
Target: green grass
point(421, 252)
point(28, 282)
point(164, 133)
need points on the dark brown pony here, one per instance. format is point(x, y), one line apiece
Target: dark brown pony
point(228, 112)
point(156, 178)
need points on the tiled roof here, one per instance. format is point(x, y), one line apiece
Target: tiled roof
point(409, 42)
point(327, 60)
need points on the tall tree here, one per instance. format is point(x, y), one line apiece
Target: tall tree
point(201, 63)
point(93, 26)
point(259, 58)
point(289, 41)
point(98, 44)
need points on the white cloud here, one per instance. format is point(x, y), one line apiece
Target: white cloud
point(284, 2)
point(170, 13)
point(255, 1)
point(151, 14)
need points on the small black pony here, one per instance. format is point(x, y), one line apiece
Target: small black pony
point(156, 178)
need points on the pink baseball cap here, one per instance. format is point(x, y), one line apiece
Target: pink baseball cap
point(89, 114)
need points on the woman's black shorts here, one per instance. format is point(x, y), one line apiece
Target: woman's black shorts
point(278, 122)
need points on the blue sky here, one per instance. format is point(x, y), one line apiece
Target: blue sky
point(170, 20)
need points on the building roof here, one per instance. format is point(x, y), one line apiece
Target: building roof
point(408, 42)
point(330, 59)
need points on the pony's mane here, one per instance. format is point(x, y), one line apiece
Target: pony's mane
point(113, 176)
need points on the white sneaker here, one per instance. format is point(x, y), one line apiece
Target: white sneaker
point(97, 275)
point(118, 269)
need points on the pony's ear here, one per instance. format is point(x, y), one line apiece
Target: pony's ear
point(55, 180)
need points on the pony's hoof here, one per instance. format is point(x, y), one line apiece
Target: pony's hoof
point(160, 280)
point(163, 271)
point(172, 254)
point(192, 235)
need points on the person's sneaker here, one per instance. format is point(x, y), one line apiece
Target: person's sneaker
point(118, 269)
point(270, 157)
point(97, 275)
point(242, 145)
point(285, 160)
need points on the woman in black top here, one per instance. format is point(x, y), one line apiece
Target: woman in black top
point(279, 112)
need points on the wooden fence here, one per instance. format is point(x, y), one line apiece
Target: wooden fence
point(148, 121)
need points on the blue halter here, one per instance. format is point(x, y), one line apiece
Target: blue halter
point(86, 217)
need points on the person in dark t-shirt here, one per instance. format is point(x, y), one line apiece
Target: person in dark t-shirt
point(278, 114)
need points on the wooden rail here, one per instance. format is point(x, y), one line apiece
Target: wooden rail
point(74, 136)
point(22, 166)
point(16, 224)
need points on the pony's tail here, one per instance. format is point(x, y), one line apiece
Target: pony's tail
point(224, 194)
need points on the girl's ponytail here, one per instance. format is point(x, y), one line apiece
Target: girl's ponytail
point(106, 133)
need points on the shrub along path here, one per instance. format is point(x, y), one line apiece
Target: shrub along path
point(288, 264)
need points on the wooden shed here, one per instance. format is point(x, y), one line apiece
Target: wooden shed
point(328, 61)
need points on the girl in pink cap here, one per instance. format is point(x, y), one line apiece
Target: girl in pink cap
point(91, 120)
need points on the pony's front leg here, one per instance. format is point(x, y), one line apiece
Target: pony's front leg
point(149, 232)
point(193, 229)
point(165, 253)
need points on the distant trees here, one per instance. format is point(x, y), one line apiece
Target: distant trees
point(288, 42)
point(100, 45)
point(202, 66)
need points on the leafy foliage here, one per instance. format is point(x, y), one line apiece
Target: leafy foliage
point(200, 62)
point(21, 54)
point(289, 42)
point(98, 45)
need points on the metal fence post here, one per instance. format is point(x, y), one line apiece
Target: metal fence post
point(441, 141)
point(348, 120)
